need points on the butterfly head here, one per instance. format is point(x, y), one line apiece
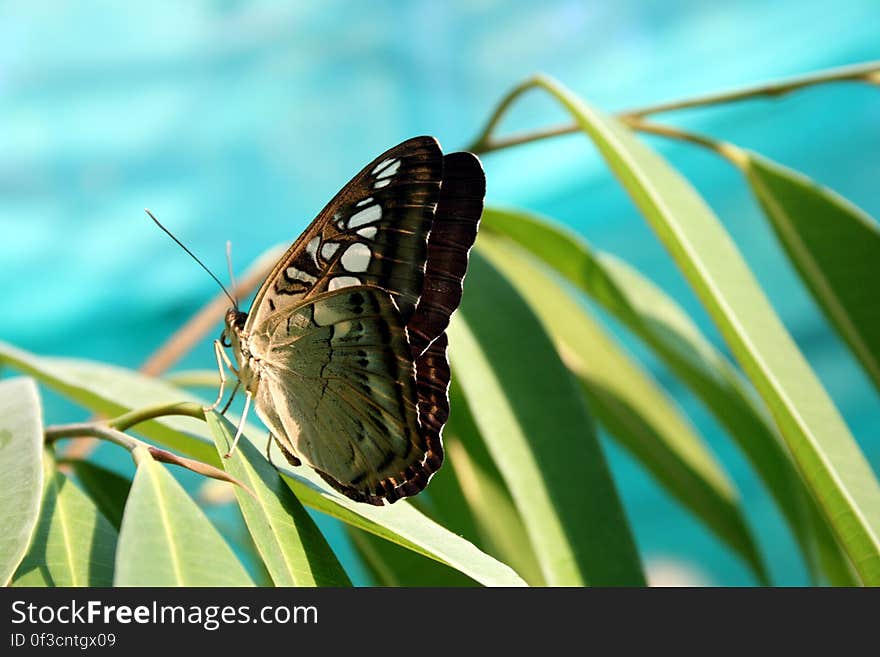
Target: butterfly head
point(234, 324)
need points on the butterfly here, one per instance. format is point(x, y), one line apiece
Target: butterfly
point(343, 352)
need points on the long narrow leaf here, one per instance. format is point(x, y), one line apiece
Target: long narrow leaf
point(537, 428)
point(406, 526)
point(21, 470)
point(166, 539)
point(392, 565)
point(107, 489)
point(447, 505)
point(73, 544)
point(835, 247)
point(498, 521)
point(293, 548)
point(658, 320)
point(627, 401)
point(825, 451)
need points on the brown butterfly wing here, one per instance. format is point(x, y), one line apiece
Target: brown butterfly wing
point(338, 391)
point(453, 232)
point(374, 232)
point(404, 224)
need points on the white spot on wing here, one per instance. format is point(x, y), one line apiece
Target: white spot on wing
point(391, 170)
point(298, 275)
point(312, 248)
point(368, 231)
point(383, 164)
point(329, 249)
point(342, 281)
point(356, 257)
point(372, 213)
point(366, 201)
point(381, 183)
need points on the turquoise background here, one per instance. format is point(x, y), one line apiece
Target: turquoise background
point(239, 120)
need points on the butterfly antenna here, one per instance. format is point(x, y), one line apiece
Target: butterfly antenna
point(191, 255)
point(229, 266)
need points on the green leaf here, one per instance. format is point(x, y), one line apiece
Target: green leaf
point(21, 470)
point(121, 390)
point(536, 426)
point(447, 505)
point(107, 489)
point(293, 548)
point(658, 320)
point(833, 244)
point(392, 565)
point(404, 525)
point(166, 539)
point(498, 521)
point(826, 453)
point(627, 401)
point(73, 544)
point(112, 390)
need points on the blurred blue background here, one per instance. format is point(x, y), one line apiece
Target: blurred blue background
point(239, 120)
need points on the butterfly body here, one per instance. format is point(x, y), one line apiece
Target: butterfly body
point(344, 349)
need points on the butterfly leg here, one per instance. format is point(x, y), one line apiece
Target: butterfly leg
point(247, 407)
point(221, 359)
point(231, 397)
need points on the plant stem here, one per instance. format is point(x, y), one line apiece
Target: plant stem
point(725, 149)
point(483, 143)
point(93, 429)
point(865, 72)
point(868, 72)
point(112, 430)
point(138, 448)
point(189, 409)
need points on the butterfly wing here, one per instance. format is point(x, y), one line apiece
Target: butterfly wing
point(373, 232)
point(453, 232)
point(339, 389)
point(403, 226)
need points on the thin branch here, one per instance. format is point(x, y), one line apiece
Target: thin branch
point(189, 409)
point(484, 143)
point(868, 72)
point(136, 446)
point(481, 146)
point(93, 429)
point(865, 72)
point(725, 149)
